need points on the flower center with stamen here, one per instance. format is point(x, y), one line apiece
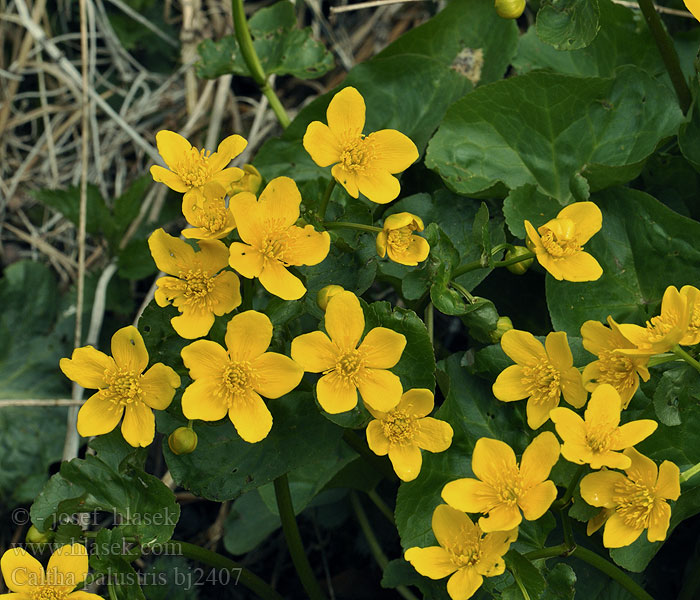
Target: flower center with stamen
point(123, 385)
point(48, 593)
point(542, 382)
point(274, 247)
point(399, 427)
point(194, 168)
point(509, 486)
point(238, 378)
point(198, 284)
point(348, 366)
point(599, 437)
point(400, 239)
point(617, 370)
point(468, 552)
point(559, 246)
point(658, 327)
point(635, 503)
point(357, 154)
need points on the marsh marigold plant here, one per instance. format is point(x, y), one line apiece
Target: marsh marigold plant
point(398, 240)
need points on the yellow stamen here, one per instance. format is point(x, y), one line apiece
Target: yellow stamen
point(617, 370)
point(468, 551)
point(542, 382)
point(635, 503)
point(562, 244)
point(399, 427)
point(357, 154)
point(238, 378)
point(599, 436)
point(348, 366)
point(46, 592)
point(124, 386)
point(198, 286)
point(194, 168)
point(400, 239)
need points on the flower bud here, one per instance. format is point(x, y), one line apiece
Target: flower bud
point(325, 294)
point(510, 9)
point(182, 441)
point(250, 182)
point(34, 536)
point(503, 324)
point(518, 268)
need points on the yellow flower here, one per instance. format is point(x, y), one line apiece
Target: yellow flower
point(666, 330)
point(692, 297)
point(597, 439)
point(620, 371)
point(124, 389)
point(361, 164)
point(634, 502)
point(196, 289)
point(398, 241)
point(463, 550)
point(405, 429)
point(560, 248)
point(326, 293)
point(346, 367)
point(694, 7)
point(540, 375)
point(232, 382)
point(271, 240)
point(503, 489)
point(197, 173)
point(26, 579)
point(210, 218)
point(250, 182)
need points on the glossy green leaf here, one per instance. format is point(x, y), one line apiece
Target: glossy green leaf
point(568, 24)
point(526, 573)
point(677, 387)
point(544, 129)
point(528, 203)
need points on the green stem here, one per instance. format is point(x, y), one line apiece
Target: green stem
point(245, 43)
point(359, 446)
point(291, 534)
point(571, 488)
point(326, 199)
point(464, 291)
point(566, 528)
point(430, 322)
point(678, 351)
point(551, 552)
point(373, 543)
point(660, 359)
point(688, 473)
point(381, 505)
point(112, 592)
point(474, 265)
point(668, 53)
point(519, 583)
point(246, 578)
point(348, 225)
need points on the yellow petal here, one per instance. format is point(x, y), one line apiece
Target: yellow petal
point(228, 149)
point(417, 251)
point(572, 389)
point(306, 246)
point(277, 374)
point(245, 259)
point(597, 337)
point(346, 113)
point(587, 218)
point(464, 583)
point(580, 267)
point(402, 219)
point(279, 202)
point(80, 595)
point(68, 566)
point(394, 151)
point(201, 400)
point(139, 425)
point(642, 469)
point(580, 453)
point(470, 495)
point(659, 520)
point(381, 243)
point(251, 417)
point(537, 500)
point(522, 347)
point(501, 517)
point(248, 335)
point(204, 358)
point(376, 440)
point(335, 394)
point(433, 562)
point(225, 294)
point(618, 534)
point(418, 402)
point(192, 324)
point(158, 385)
point(99, 415)
point(323, 147)
point(277, 280)
point(212, 256)
point(612, 460)
point(172, 180)
point(598, 489)
point(382, 348)
point(451, 526)
point(433, 435)
point(249, 218)
point(630, 434)
point(348, 179)
point(491, 458)
point(569, 425)
point(539, 458)
point(604, 407)
point(380, 389)
point(596, 522)
point(345, 321)
point(406, 460)
point(534, 238)
point(377, 185)
point(668, 485)
point(509, 385)
point(558, 350)
point(551, 265)
point(172, 146)
point(170, 254)
point(314, 352)
point(129, 350)
point(538, 412)
point(493, 546)
point(87, 367)
point(694, 7)
point(21, 571)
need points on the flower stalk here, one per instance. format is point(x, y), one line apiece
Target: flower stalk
point(477, 264)
point(680, 353)
point(348, 225)
point(326, 199)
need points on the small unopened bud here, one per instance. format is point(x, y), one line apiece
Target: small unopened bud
point(182, 441)
point(250, 182)
point(325, 294)
point(34, 536)
point(510, 9)
point(518, 268)
point(504, 324)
